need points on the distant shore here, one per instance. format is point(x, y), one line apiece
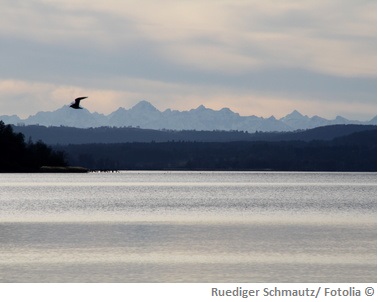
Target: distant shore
point(69, 169)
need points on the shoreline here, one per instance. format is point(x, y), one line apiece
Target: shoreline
point(58, 169)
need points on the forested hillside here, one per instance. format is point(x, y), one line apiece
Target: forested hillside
point(18, 156)
point(69, 135)
point(330, 148)
point(356, 152)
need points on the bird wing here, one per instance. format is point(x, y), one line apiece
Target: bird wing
point(77, 100)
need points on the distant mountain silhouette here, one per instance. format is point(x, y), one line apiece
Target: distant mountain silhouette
point(146, 116)
point(70, 135)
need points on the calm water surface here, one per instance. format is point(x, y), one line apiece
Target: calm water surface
point(188, 227)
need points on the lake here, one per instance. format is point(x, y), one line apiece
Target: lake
point(188, 227)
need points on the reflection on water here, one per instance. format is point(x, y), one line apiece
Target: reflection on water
point(188, 227)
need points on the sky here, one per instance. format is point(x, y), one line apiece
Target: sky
point(255, 57)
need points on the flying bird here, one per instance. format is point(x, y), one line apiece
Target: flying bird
point(76, 104)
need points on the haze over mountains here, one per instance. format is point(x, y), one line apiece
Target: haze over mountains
point(145, 115)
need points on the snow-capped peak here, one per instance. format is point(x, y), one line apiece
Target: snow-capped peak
point(144, 106)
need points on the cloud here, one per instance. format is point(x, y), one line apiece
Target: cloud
point(27, 98)
point(182, 53)
point(336, 37)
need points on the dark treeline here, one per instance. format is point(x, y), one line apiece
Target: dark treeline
point(355, 152)
point(70, 135)
point(18, 156)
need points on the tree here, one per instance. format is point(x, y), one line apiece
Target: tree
point(17, 156)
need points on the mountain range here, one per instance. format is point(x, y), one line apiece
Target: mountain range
point(146, 116)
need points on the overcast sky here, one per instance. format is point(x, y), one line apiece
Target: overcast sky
point(255, 57)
